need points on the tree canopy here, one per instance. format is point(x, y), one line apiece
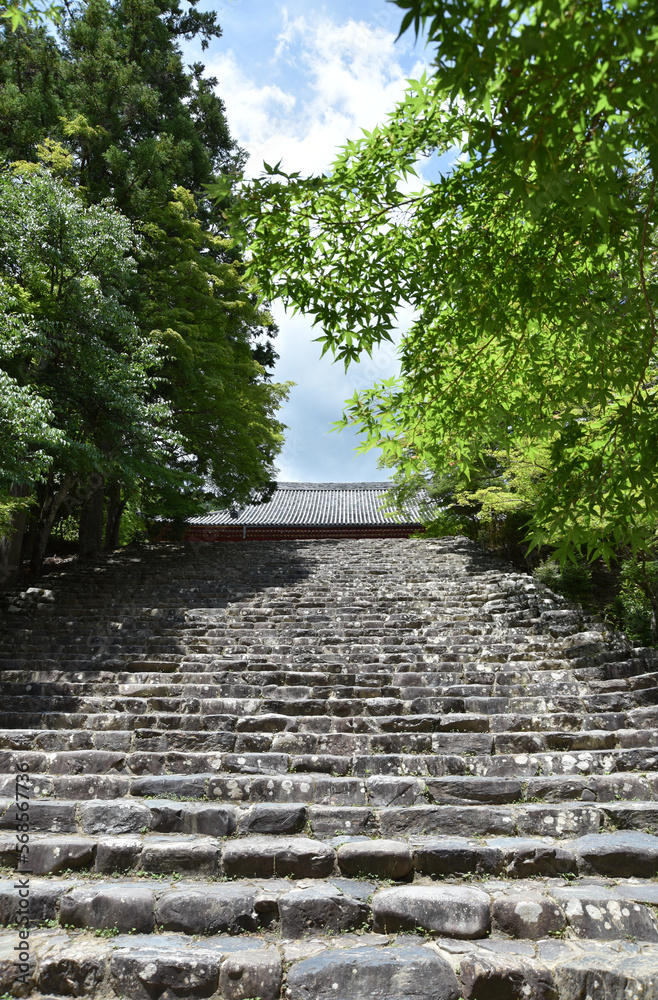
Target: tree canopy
point(530, 261)
point(132, 341)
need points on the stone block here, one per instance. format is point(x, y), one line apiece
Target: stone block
point(167, 786)
point(9, 984)
point(128, 908)
point(446, 910)
point(457, 856)
point(72, 968)
point(278, 856)
point(54, 817)
point(179, 854)
point(598, 913)
point(320, 764)
point(429, 820)
point(43, 897)
point(224, 789)
point(320, 910)
point(566, 820)
point(47, 857)
point(388, 791)
point(386, 859)
point(166, 972)
point(114, 817)
point(491, 790)
point(524, 857)
point(331, 791)
point(609, 975)
point(117, 854)
point(247, 974)
point(489, 977)
point(86, 762)
point(331, 821)
point(210, 820)
point(407, 972)
point(273, 818)
point(256, 763)
point(624, 854)
point(529, 915)
point(208, 909)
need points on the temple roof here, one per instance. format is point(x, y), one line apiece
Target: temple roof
point(317, 503)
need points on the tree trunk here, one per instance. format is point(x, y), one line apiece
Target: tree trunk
point(115, 509)
point(49, 510)
point(11, 544)
point(90, 538)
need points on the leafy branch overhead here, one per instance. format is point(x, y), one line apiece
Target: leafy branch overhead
point(529, 257)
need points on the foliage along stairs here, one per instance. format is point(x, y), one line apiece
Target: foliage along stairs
point(382, 769)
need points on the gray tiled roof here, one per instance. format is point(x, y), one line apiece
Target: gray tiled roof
point(316, 503)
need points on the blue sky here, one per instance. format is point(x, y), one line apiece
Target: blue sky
point(299, 79)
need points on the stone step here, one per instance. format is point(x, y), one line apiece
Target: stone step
point(370, 714)
point(292, 909)
point(349, 966)
point(325, 806)
point(350, 769)
point(282, 684)
point(625, 854)
point(435, 735)
point(573, 766)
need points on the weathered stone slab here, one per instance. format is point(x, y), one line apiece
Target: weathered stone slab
point(527, 915)
point(607, 975)
point(209, 819)
point(209, 909)
point(496, 976)
point(189, 786)
point(124, 907)
point(9, 984)
point(468, 820)
point(280, 856)
point(272, 818)
point(446, 910)
point(246, 974)
point(43, 899)
point(72, 968)
point(122, 816)
point(255, 763)
point(457, 856)
point(387, 859)
point(180, 854)
point(117, 854)
point(58, 853)
point(395, 973)
point(565, 820)
point(598, 913)
point(332, 821)
point(624, 854)
point(525, 856)
point(320, 910)
point(494, 791)
point(164, 971)
point(387, 791)
point(56, 817)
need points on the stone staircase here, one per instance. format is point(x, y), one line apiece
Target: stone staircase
point(373, 769)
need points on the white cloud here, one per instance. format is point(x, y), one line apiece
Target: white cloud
point(352, 77)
